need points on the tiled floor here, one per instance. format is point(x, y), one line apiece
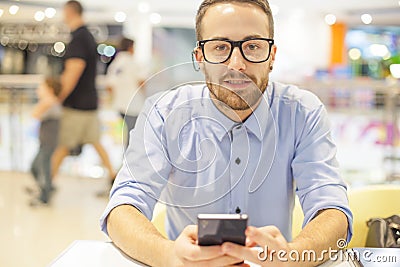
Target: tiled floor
point(35, 236)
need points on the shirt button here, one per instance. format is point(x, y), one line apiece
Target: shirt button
point(238, 127)
point(237, 161)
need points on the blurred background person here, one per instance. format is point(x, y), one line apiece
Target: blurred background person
point(125, 79)
point(79, 122)
point(48, 112)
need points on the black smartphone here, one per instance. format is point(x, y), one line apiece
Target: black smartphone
point(215, 229)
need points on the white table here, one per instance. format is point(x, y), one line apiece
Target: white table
point(83, 253)
point(93, 253)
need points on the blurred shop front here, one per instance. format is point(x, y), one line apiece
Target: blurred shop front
point(361, 90)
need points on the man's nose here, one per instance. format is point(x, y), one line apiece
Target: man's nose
point(237, 62)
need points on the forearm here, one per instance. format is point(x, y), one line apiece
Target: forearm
point(134, 234)
point(38, 111)
point(41, 107)
point(74, 68)
point(68, 84)
point(320, 234)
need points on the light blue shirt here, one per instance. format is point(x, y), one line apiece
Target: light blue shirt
point(187, 154)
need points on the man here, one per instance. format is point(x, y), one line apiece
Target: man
point(125, 78)
point(79, 123)
point(240, 143)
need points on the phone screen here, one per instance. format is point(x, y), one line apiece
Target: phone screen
point(215, 229)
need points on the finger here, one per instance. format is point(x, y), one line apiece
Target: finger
point(224, 260)
point(191, 231)
point(264, 236)
point(199, 253)
point(240, 252)
point(191, 251)
point(240, 265)
point(250, 243)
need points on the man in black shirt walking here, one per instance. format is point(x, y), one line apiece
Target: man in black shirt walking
point(79, 123)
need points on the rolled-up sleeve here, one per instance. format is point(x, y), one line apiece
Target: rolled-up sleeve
point(315, 169)
point(145, 169)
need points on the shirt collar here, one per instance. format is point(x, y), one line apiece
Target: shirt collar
point(224, 124)
point(256, 123)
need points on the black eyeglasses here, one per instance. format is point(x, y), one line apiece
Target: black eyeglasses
point(255, 50)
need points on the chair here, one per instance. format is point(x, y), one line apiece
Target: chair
point(159, 216)
point(297, 219)
point(368, 202)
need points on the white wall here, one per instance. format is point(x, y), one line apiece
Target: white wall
point(303, 42)
point(138, 27)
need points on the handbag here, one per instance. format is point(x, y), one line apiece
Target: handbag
point(384, 232)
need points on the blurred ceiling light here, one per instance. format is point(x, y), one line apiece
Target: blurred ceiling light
point(13, 9)
point(366, 18)
point(50, 12)
point(1, 12)
point(105, 59)
point(143, 7)
point(120, 16)
point(274, 9)
point(354, 54)
point(395, 70)
point(379, 50)
point(59, 47)
point(387, 56)
point(155, 18)
point(32, 47)
point(39, 16)
point(4, 41)
point(109, 51)
point(330, 19)
point(23, 44)
point(100, 49)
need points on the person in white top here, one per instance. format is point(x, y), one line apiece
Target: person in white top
point(125, 78)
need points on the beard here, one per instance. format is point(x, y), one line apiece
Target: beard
point(238, 98)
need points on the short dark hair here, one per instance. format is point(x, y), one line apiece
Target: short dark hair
point(76, 6)
point(206, 4)
point(125, 44)
point(54, 84)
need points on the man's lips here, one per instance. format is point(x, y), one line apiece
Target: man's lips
point(237, 84)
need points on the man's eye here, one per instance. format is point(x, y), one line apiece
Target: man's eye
point(252, 46)
point(221, 48)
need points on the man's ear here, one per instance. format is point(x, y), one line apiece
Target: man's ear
point(198, 55)
point(273, 55)
point(199, 58)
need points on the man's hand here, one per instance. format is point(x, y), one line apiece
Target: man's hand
point(268, 237)
point(190, 253)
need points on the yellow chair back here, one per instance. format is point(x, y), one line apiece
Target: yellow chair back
point(159, 216)
point(297, 219)
point(368, 202)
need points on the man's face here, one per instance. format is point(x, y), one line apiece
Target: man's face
point(237, 82)
point(68, 14)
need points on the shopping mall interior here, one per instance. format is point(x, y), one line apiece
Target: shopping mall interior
point(347, 52)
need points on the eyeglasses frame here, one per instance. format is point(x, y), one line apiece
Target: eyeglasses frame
point(234, 44)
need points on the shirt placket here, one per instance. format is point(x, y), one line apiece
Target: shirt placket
point(238, 164)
